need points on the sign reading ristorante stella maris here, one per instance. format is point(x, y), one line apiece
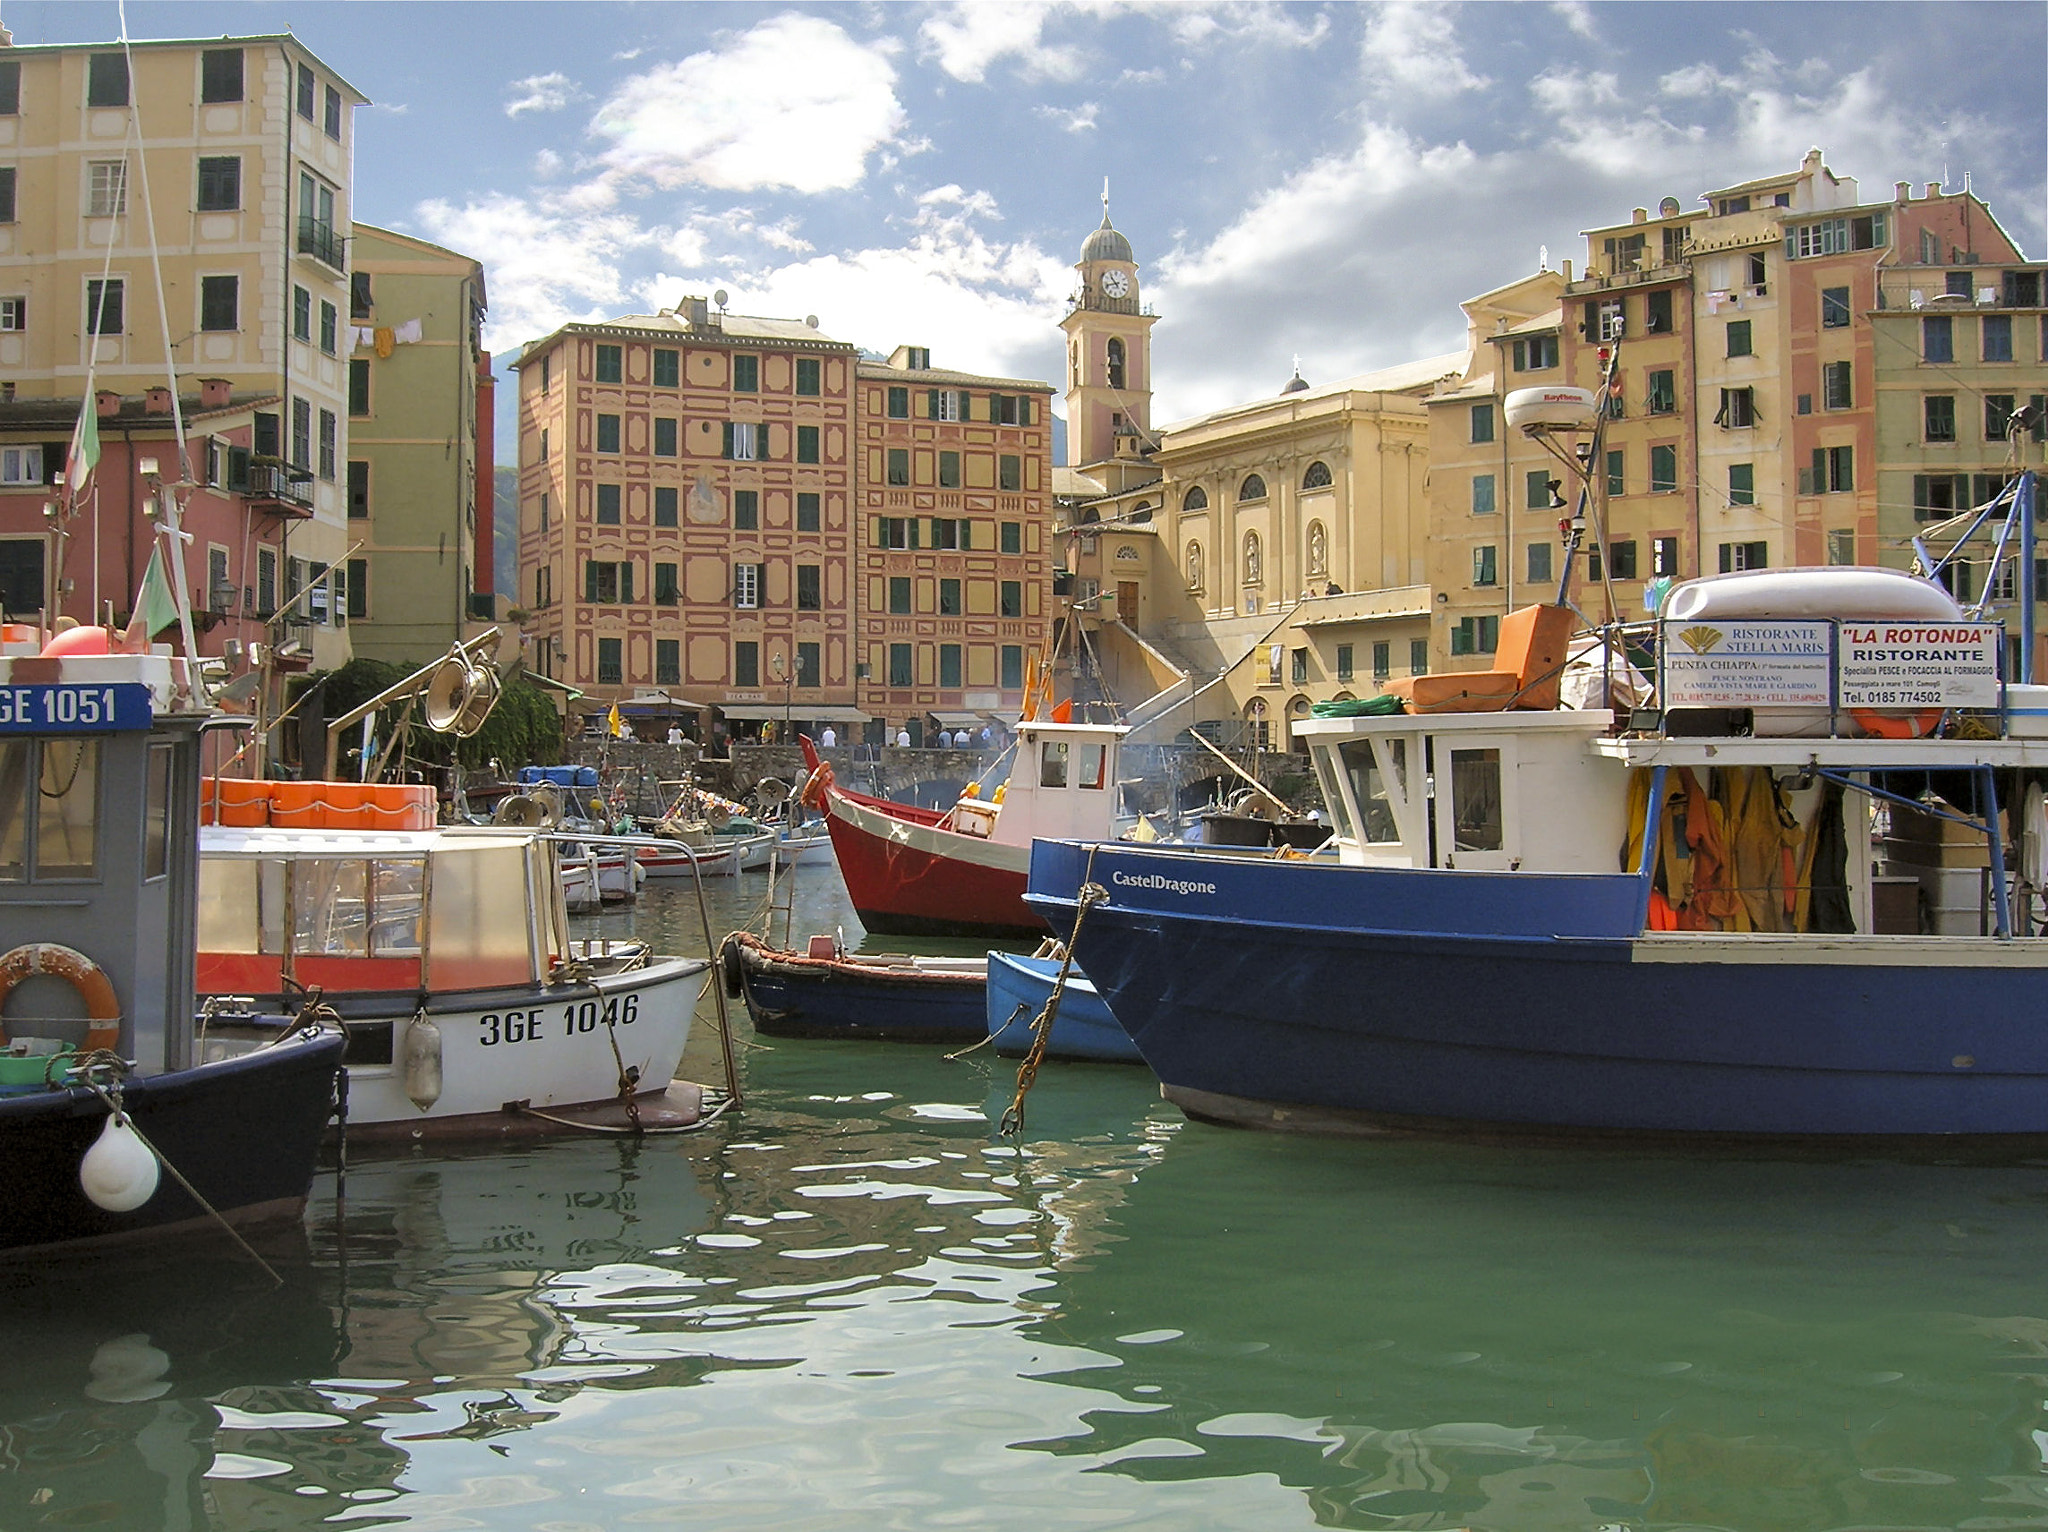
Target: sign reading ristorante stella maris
point(1746, 664)
point(1791, 664)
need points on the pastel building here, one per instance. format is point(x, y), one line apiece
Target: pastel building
point(955, 557)
point(420, 449)
point(227, 164)
point(687, 512)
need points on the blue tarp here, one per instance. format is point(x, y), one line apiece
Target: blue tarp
point(561, 776)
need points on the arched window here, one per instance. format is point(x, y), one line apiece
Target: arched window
point(1196, 499)
point(1116, 363)
point(1318, 549)
point(1140, 513)
point(1254, 563)
point(1074, 366)
point(1253, 488)
point(1194, 566)
point(1317, 477)
point(1090, 516)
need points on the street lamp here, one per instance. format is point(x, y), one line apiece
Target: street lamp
point(788, 678)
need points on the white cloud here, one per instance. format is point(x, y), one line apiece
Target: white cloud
point(547, 164)
point(1578, 18)
point(967, 37)
point(1359, 259)
point(1255, 22)
point(541, 93)
point(792, 103)
point(1079, 119)
point(544, 268)
point(1411, 50)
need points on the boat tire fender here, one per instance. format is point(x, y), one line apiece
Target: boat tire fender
point(733, 967)
point(102, 1006)
point(1917, 724)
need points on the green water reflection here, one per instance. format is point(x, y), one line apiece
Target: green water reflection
point(852, 1307)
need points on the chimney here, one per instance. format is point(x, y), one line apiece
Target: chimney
point(106, 402)
point(1567, 272)
point(156, 401)
point(696, 312)
point(213, 393)
point(1640, 215)
point(1902, 192)
point(1934, 188)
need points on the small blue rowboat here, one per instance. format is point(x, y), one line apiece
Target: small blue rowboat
point(1084, 1028)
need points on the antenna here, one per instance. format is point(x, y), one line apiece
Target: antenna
point(1105, 199)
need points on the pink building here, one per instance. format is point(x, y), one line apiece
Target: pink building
point(240, 513)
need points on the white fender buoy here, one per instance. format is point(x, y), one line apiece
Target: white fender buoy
point(118, 1172)
point(423, 1062)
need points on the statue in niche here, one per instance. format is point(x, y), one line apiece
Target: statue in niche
point(1318, 549)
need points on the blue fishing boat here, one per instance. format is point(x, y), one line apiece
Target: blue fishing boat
point(1736, 913)
point(1082, 1028)
point(114, 1123)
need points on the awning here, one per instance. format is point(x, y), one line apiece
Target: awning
point(641, 707)
point(1361, 618)
point(800, 712)
point(958, 720)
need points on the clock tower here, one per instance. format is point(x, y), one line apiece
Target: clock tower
point(1109, 352)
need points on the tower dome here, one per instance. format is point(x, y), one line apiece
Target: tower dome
point(1105, 244)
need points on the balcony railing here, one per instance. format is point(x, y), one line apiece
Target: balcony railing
point(321, 241)
point(280, 490)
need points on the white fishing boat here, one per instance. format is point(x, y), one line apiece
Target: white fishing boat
point(447, 956)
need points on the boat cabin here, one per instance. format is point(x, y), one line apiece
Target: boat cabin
point(99, 806)
point(1063, 786)
point(376, 911)
point(1823, 772)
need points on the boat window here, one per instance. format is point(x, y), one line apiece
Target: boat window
point(1052, 764)
point(1475, 800)
point(396, 888)
point(14, 758)
point(330, 916)
point(1377, 825)
point(227, 905)
point(478, 932)
point(156, 842)
point(1339, 805)
point(1088, 766)
point(67, 817)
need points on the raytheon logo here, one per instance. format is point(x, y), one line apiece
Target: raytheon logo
point(1155, 880)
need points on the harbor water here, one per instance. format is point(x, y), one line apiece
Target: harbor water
point(854, 1305)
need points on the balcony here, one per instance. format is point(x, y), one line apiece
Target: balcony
point(320, 240)
point(275, 490)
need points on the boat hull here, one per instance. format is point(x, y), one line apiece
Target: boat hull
point(547, 1047)
point(1083, 1028)
point(245, 1132)
point(790, 995)
point(912, 879)
point(1356, 998)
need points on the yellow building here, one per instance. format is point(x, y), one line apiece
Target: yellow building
point(244, 171)
point(1750, 369)
point(1232, 569)
point(419, 449)
point(954, 595)
point(686, 511)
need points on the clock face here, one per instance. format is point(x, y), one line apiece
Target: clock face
point(1115, 284)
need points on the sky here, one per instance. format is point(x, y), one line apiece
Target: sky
point(1319, 182)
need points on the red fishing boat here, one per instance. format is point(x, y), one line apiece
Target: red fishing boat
point(961, 871)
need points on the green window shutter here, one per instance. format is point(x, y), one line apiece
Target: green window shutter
point(589, 580)
point(914, 524)
point(966, 533)
point(931, 408)
point(761, 441)
point(725, 450)
point(626, 581)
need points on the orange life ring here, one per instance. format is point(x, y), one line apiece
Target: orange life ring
point(1882, 725)
point(102, 1007)
point(816, 786)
